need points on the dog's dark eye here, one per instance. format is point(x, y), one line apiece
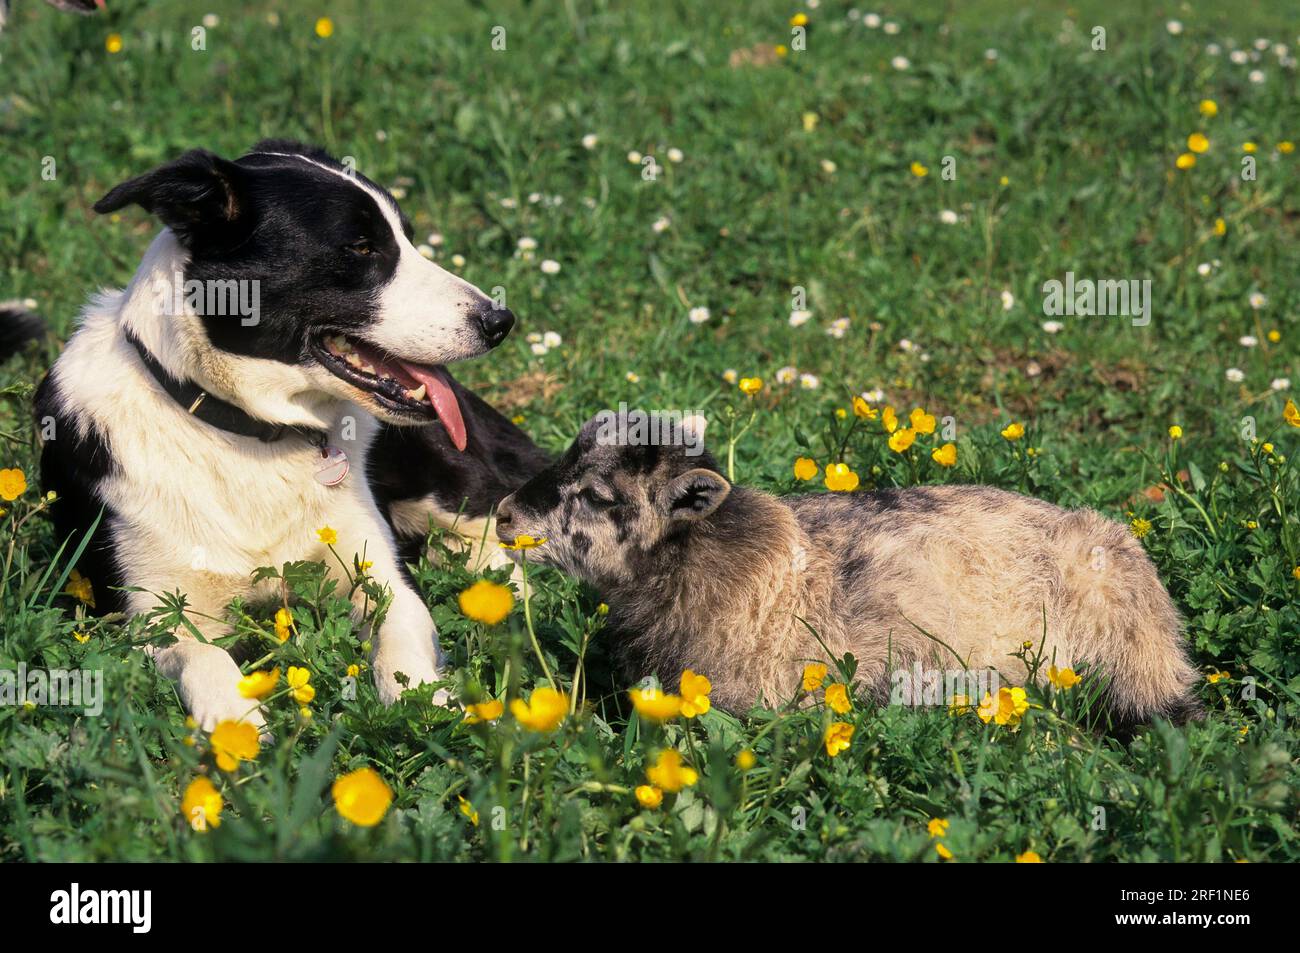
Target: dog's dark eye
point(362, 248)
point(592, 498)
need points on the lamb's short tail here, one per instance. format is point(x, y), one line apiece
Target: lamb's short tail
point(18, 325)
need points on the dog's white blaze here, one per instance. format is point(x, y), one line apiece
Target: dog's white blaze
point(424, 312)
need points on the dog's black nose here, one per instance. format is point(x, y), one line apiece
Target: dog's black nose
point(496, 324)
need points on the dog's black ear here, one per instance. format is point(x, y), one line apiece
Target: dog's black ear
point(198, 195)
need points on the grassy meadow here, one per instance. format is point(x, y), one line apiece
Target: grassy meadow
point(678, 196)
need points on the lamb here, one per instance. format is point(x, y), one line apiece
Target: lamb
point(721, 579)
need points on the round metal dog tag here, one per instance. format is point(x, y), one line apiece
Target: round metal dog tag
point(332, 466)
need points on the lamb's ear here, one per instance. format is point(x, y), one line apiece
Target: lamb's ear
point(695, 494)
point(199, 196)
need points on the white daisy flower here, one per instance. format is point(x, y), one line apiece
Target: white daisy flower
point(872, 20)
point(533, 337)
point(381, 135)
point(508, 202)
point(590, 140)
point(799, 318)
point(1257, 300)
point(1175, 27)
point(398, 192)
point(210, 20)
point(550, 267)
point(1256, 76)
point(434, 239)
point(1204, 268)
point(1213, 49)
point(1240, 57)
point(458, 261)
point(876, 396)
point(906, 345)
point(948, 217)
point(787, 375)
point(675, 155)
point(1235, 374)
point(552, 339)
point(534, 198)
point(991, 55)
point(900, 62)
point(1281, 383)
point(539, 348)
point(1008, 299)
point(698, 315)
point(633, 377)
point(661, 224)
point(1053, 327)
point(425, 250)
point(634, 157)
point(891, 28)
point(1033, 369)
point(809, 381)
point(838, 328)
point(829, 167)
point(589, 201)
point(1248, 340)
point(1262, 44)
point(526, 243)
point(730, 375)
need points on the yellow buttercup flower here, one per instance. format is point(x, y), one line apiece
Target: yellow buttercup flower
point(1248, 147)
point(353, 670)
point(1175, 432)
point(889, 419)
point(838, 737)
point(781, 50)
point(232, 742)
point(1220, 227)
point(13, 484)
point(669, 773)
point(938, 826)
point(1139, 527)
point(1286, 147)
point(1005, 708)
point(814, 673)
point(745, 760)
point(649, 796)
point(259, 684)
point(810, 121)
point(283, 624)
point(901, 439)
point(751, 385)
point(1028, 857)
point(1209, 108)
point(79, 587)
point(487, 602)
point(919, 170)
point(1215, 677)
point(298, 679)
point(1291, 414)
point(805, 468)
point(921, 421)
point(1197, 142)
point(489, 710)
point(837, 697)
point(695, 694)
point(840, 479)
point(655, 705)
point(113, 43)
point(81, 637)
point(324, 28)
point(959, 705)
point(942, 851)
point(1296, 572)
point(799, 19)
point(362, 797)
point(543, 712)
point(1185, 161)
point(327, 535)
point(467, 809)
point(945, 456)
point(524, 541)
point(201, 805)
point(1062, 678)
point(864, 410)
point(1014, 431)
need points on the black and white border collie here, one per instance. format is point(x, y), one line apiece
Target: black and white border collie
point(215, 444)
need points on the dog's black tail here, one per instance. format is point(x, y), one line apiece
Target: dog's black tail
point(17, 326)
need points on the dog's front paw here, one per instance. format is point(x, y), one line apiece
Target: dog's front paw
point(414, 670)
point(210, 704)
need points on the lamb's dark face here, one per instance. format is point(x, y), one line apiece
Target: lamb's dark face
point(311, 265)
point(606, 507)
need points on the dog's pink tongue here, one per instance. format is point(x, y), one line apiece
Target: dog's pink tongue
point(443, 400)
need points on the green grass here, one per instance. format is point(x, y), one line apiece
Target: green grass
point(1086, 141)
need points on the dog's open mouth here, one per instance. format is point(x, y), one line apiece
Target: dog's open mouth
point(403, 387)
